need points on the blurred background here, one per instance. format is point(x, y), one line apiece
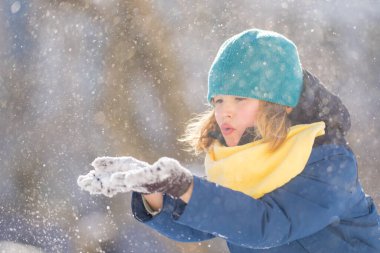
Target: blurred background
point(86, 78)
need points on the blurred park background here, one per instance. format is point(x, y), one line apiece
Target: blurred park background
point(86, 78)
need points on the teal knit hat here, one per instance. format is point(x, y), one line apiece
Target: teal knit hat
point(257, 64)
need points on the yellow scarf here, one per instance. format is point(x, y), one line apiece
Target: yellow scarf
point(254, 170)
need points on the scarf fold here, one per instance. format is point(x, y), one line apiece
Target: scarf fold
point(254, 170)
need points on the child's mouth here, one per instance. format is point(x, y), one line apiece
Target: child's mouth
point(226, 129)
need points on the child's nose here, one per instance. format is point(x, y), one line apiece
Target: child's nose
point(228, 110)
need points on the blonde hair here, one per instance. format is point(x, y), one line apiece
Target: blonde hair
point(272, 125)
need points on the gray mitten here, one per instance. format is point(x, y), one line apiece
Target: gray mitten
point(98, 181)
point(166, 176)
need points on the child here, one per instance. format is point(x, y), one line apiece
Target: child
point(280, 176)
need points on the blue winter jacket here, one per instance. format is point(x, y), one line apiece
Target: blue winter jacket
point(324, 209)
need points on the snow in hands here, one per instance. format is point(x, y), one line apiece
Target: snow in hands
point(98, 181)
point(112, 175)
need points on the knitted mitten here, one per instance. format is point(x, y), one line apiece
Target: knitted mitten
point(97, 181)
point(124, 174)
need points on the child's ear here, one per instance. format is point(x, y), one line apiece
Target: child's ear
point(289, 109)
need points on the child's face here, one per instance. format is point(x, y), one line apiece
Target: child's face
point(234, 115)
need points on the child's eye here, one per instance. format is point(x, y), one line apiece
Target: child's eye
point(240, 99)
point(218, 101)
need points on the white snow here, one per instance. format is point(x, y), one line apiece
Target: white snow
point(15, 7)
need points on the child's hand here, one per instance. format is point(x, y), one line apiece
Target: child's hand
point(124, 174)
point(166, 176)
point(97, 182)
point(118, 164)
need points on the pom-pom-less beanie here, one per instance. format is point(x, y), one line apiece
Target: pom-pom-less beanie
point(257, 64)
